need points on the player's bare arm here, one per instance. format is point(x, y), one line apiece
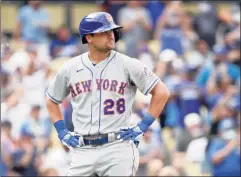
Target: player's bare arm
point(54, 110)
point(160, 95)
point(57, 119)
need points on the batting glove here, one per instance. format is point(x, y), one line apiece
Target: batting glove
point(137, 131)
point(65, 135)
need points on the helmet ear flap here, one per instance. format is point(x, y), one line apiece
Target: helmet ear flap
point(84, 40)
point(117, 35)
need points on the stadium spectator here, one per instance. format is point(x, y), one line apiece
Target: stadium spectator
point(39, 127)
point(33, 79)
point(149, 150)
point(200, 55)
point(155, 9)
point(25, 156)
point(190, 36)
point(224, 151)
point(232, 36)
point(225, 25)
point(168, 30)
point(219, 62)
point(137, 28)
point(8, 147)
point(33, 23)
point(188, 99)
point(171, 78)
point(205, 23)
point(64, 45)
point(195, 126)
point(3, 167)
point(189, 96)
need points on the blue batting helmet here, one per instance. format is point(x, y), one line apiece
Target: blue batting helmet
point(96, 23)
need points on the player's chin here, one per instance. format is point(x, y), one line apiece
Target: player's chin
point(111, 45)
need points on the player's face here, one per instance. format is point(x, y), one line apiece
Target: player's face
point(104, 41)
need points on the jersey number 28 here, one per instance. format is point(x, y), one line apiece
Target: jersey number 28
point(109, 106)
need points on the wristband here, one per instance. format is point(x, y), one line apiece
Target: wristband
point(59, 125)
point(148, 119)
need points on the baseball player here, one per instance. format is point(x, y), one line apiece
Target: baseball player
point(102, 84)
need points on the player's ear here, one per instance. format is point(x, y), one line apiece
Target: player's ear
point(89, 37)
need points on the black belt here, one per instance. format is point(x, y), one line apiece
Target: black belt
point(96, 140)
point(99, 139)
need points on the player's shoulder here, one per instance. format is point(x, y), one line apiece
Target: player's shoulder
point(72, 62)
point(124, 58)
point(127, 61)
point(121, 56)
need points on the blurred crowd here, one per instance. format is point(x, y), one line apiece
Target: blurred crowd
point(198, 59)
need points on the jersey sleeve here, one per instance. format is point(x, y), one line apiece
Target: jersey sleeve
point(58, 87)
point(143, 78)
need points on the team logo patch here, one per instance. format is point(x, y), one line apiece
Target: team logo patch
point(147, 72)
point(109, 18)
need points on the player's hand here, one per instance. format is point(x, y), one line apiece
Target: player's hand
point(133, 133)
point(68, 139)
point(137, 131)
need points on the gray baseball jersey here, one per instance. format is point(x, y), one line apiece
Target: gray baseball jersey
point(102, 95)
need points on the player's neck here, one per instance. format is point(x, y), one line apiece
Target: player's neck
point(96, 57)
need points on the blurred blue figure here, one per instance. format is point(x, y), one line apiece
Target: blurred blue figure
point(224, 151)
point(190, 97)
point(33, 22)
point(37, 125)
point(64, 45)
point(171, 109)
point(137, 28)
point(3, 168)
point(24, 158)
point(220, 53)
point(212, 99)
point(205, 22)
point(187, 98)
point(168, 28)
point(171, 38)
point(156, 9)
